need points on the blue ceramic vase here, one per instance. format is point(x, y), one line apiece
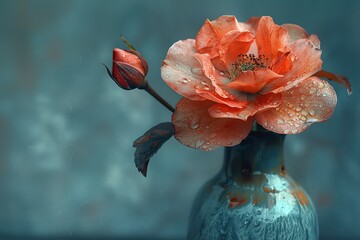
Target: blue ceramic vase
point(253, 197)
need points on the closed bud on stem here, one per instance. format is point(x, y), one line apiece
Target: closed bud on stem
point(129, 69)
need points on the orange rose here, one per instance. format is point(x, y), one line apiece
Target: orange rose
point(234, 73)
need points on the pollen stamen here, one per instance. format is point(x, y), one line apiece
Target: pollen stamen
point(246, 62)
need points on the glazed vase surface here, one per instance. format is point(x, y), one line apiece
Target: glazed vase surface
point(253, 197)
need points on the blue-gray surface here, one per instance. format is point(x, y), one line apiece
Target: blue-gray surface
point(66, 130)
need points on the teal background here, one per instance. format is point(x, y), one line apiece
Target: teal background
point(66, 130)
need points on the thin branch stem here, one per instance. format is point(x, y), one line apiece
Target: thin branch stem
point(152, 92)
point(146, 86)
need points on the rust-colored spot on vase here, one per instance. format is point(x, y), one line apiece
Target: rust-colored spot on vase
point(236, 201)
point(301, 196)
point(269, 190)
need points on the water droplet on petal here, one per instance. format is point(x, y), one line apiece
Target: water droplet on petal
point(294, 131)
point(183, 80)
point(280, 121)
point(196, 70)
point(298, 109)
point(199, 143)
point(194, 123)
point(286, 131)
point(312, 120)
point(304, 113)
point(312, 112)
point(312, 90)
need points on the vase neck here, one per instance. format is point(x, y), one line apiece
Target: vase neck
point(260, 152)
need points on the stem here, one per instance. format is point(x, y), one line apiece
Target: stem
point(152, 92)
point(145, 85)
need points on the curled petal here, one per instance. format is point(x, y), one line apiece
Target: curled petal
point(225, 23)
point(233, 44)
point(337, 78)
point(295, 32)
point(194, 127)
point(253, 81)
point(283, 64)
point(271, 38)
point(313, 100)
point(306, 61)
point(181, 71)
point(208, 38)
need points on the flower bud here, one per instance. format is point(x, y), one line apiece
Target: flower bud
point(129, 69)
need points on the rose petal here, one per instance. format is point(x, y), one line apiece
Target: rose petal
point(194, 127)
point(313, 100)
point(217, 80)
point(181, 71)
point(306, 62)
point(271, 38)
point(238, 102)
point(253, 81)
point(295, 32)
point(283, 64)
point(208, 38)
point(224, 111)
point(315, 40)
point(260, 103)
point(233, 44)
point(131, 58)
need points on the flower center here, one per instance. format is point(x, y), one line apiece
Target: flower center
point(246, 62)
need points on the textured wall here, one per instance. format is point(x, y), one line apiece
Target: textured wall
point(66, 130)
